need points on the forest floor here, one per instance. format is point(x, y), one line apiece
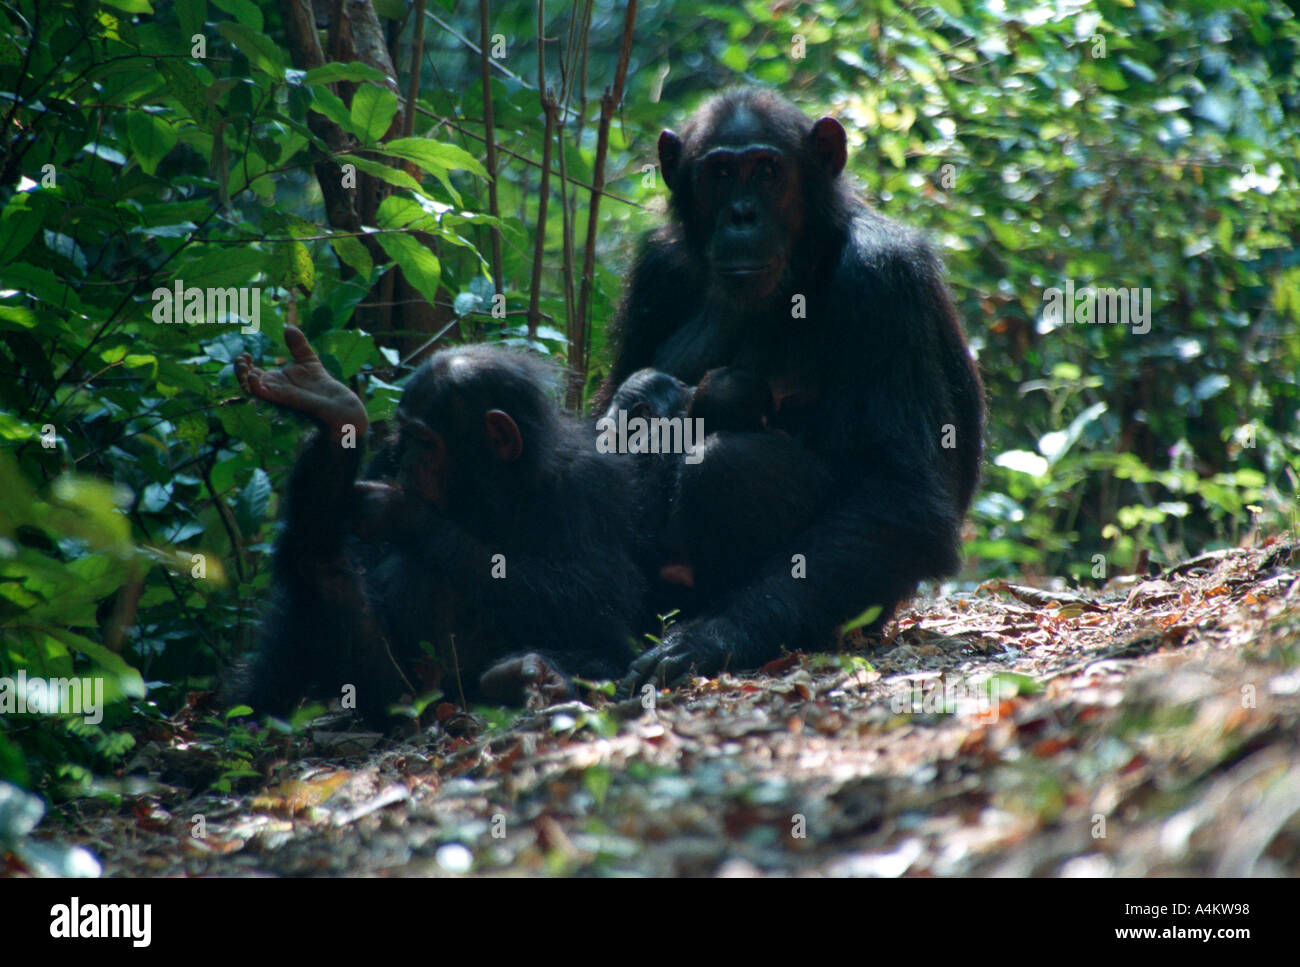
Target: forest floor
point(1152, 728)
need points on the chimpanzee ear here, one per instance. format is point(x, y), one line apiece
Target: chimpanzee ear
point(829, 143)
point(503, 435)
point(670, 155)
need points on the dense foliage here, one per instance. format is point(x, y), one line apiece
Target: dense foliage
point(1146, 146)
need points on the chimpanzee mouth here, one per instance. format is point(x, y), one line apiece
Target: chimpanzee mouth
point(747, 271)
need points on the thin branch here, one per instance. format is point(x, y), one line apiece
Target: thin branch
point(489, 130)
point(539, 242)
point(580, 326)
point(413, 83)
point(566, 231)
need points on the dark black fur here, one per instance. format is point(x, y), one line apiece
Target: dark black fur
point(867, 383)
point(649, 393)
point(363, 578)
point(733, 401)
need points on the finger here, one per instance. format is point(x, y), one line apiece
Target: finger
point(299, 348)
point(530, 668)
point(243, 369)
point(253, 383)
point(674, 670)
point(274, 388)
point(643, 667)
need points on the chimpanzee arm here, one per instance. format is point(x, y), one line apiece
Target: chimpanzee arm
point(320, 618)
point(320, 631)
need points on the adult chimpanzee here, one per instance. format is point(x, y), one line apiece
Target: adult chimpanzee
point(770, 265)
point(652, 395)
point(502, 531)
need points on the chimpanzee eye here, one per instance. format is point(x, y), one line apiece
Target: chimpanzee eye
point(767, 169)
point(722, 170)
point(414, 430)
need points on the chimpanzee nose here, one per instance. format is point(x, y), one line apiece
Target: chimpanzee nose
point(743, 213)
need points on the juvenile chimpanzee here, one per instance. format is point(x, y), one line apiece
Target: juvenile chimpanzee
point(714, 535)
point(747, 501)
point(650, 394)
point(770, 265)
point(501, 532)
point(732, 400)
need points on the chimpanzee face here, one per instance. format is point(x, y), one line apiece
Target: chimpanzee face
point(449, 432)
point(424, 460)
point(750, 198)
point(746, 190)
point(738, 180)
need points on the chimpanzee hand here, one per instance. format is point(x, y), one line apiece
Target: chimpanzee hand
point(305, 386)
point(701, 647)
point(526, 680)
point(382, 511)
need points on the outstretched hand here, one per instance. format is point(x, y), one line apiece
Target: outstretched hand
point(305, 386)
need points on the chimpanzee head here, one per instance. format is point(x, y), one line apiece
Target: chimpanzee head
point(748, 174)
point(732, 400)
point(475, 417)
point(649, 394)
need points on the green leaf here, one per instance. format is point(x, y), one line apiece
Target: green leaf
point(596, 780)
point(223, 265)
point(377, 169)
point(106, 152)
point(736, 58)
point(398, 212)
point(418, 264)
point(260, 50)
point(250, 505)
point(351, 348)
point(17, 317)
point(245, 11)
point(862, 620)
point(326, 102)
point(356, 72)
point(434, 156)
point(128, 679)
point(191, 14)
point(291, 265)
point(18, 224)
point(151, 139)
point(373, 110)
point(351, 251)
point(1010, 684)
point(1223, 232)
